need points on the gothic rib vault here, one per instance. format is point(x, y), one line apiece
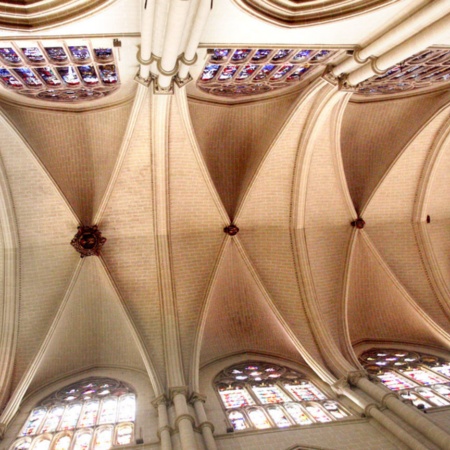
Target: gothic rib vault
point(162, 167)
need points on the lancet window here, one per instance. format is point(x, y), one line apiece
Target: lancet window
point(420, 378)
point(93, 414)
point(259, 395)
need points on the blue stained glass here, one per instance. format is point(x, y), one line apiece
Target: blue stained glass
point(302, 55)
point(89, 76)
point(103, 54)
point(33, 54)
point(220, 54)
point(210, 71)
point(228, 72)
point(240, 54)
point(297, 74)
point(261, 54)
point(281, 54)
point(321, 56)
point(48, 76)
point(80, 53)
point(108, 74)
point(28, 76)
point(264, 72)
point(56, 54)
point(9, 55)
point(247, 71)
point(9, 79)
point(281, 72)
point(70, 77)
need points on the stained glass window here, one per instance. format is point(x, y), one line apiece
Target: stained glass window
point(243, 72)
point(259, 395)
point(420, 378)
point(93, 414)
point(64, 73)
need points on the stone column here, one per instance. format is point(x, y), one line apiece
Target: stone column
point(411, 416)
point(205, 426)
point(184, 421)
point(164, 429)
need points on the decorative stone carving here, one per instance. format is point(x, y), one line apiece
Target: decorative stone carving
point(88, 241)
point(354, 377)
point(358, 223)
point(232, 230)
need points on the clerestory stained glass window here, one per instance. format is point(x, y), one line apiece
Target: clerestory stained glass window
point(422, 379)
point(93, 414)
point(259, 395)
point(243, 72)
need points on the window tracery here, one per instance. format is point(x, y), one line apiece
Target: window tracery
point(431, 66)
point(420, 378)
point(259, 395)
point(93, 414)
point(243, 72)
point(58, 71)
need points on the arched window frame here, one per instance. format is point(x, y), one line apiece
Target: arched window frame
point(271, 387)
point(393, 365)
point(81, 393)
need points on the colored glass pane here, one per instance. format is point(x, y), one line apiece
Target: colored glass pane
point(270, 394)
point(56, 54)
point(228, 72)
point(259, 419)
point(279, 417)
point(236, 398)
point(9, 55)
point(334, 409)
point(305, 391)
point(280, 73)
point(9, 79)
point(33, 54)
point(442, 390)
point(22, 445)
point(88, 417)
point(108, 411)
point(124, 434)
point(240, 54)
point(108, 73)
point(52, 420)
point(62, 443)
point(127, 407)
point(432, 397)
point(82, 440)
point(247, 71)
point(220, 54)
point(318, 413)
point(49, 77)
point(42, 444)
point(89, 76)
point(103, 439)
point(302, 55)
point(103, 54)
point(412, 397)
point(394, 382)
point(79, 53)
point(297, 413)
point(28, 76)
point(34, 421)
point(281, 54)
point(69, 75)
point(210, 71)
point(424, 376)
point(70, 417)
point(237, 419)
point(297, 74)
point(322, 56)
point(261, 54)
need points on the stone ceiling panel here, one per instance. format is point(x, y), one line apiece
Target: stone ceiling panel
point(47, 261)
point(78, 149)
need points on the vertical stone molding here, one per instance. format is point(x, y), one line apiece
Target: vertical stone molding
point(164, 429)
point(184, 422)
point(206, 427)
